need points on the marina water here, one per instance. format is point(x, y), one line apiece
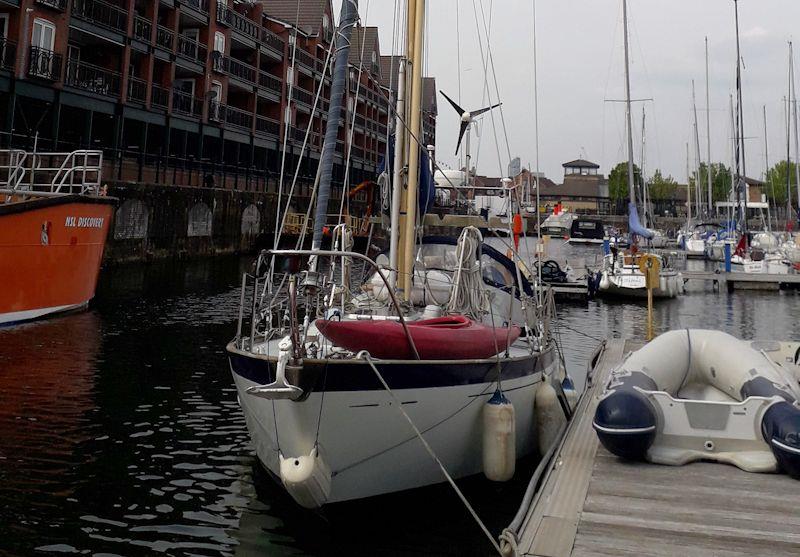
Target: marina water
point(120, 432)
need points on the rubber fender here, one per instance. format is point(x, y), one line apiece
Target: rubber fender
point(625, 422)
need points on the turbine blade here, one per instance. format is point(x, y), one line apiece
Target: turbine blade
point(464, 126)
point(453, 103)
point(482, 110)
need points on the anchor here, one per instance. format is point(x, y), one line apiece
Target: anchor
point(280, 389)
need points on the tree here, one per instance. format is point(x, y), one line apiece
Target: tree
point(776, 183)
point(618, 181)
point(720, 182)
point(661, 187)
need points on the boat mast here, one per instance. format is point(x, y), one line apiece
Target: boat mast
point(697, 195)
point(794, 118)
point(708, 139)
point(742, 181)
point(397, 176)
point(347, 20)
point(688, 190)
point(631, 190)
point(766, 169)
point(417, 9)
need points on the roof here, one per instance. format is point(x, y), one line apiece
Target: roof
point(307, 14)
point(389, 65)
point(429, 95)
point(368, 36)
point(580, 163)
point(574, 186)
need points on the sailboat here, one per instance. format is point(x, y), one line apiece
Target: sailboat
point(331, 376)
point(620, 275)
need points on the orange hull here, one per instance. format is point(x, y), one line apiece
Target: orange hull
point(50, 254)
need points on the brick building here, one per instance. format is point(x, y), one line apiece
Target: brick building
point(187, 92)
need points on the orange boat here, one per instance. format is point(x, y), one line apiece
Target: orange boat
point(53, 227)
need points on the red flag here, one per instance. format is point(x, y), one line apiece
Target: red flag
point(741, 246)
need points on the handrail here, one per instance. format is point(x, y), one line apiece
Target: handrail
point(362, 257)
point(58, 177)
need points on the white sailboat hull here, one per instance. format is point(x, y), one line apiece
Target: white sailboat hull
point(368, 445)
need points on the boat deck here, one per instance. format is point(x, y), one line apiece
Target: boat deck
point(593, 503)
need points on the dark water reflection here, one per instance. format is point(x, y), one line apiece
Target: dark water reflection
point(120, 433)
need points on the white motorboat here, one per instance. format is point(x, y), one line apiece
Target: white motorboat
point(621, 276)
point(557, 224)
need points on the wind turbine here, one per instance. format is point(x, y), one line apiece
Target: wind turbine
point(467, 117)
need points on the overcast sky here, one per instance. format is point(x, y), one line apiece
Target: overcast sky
point(581, 65)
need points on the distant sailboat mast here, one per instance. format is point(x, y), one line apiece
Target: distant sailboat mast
point(699, 165)
point(741, 185)
point(631, 189)
point(708, 140)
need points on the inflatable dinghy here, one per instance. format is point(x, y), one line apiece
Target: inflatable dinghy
point(695, 395)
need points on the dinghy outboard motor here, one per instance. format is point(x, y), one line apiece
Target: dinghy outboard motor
point(695, 395)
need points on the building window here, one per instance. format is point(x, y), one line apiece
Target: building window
point(219, 42)
point(374, 57)
point(3, 26)
point(325, 22)
point(44, 34)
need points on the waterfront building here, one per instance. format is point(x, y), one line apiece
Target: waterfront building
point(191, 92)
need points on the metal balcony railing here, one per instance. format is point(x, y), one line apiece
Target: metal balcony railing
point(137, 90)
point(272, 41)
point(303, 96)
point(238, 117)
point(270, 82)
point(185, 103)
point(142, 28)
point(159, 96)
point(55, 4)
point(44, 64)
point(191, 49)
point(232, 18)
point(268, 126)
point(8, 53)
point(304, 58)
point(199, 5)
point(235, 68)
point(101, 13)
point(92, 78)
point(164, 37)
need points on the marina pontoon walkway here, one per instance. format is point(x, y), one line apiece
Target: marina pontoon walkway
point(593, 503)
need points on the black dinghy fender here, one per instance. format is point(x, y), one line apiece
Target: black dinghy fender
point(625, 420)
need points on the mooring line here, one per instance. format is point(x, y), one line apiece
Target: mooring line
point(366, 356)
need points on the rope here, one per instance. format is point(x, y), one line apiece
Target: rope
point(468, 296)
point(365, 356)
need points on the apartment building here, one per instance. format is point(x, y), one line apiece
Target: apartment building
point(188, 92)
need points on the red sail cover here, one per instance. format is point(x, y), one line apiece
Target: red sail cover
point(444, 338)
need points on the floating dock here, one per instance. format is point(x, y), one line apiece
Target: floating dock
point(593, 503)
point(570, 291)
point(737, 280)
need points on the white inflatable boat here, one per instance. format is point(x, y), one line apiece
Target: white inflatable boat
point(704, 395)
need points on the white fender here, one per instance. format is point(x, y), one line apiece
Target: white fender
point(307, 479)
point(499, 439)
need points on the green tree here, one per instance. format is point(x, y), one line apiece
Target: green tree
point(776, 182)
point(720, 182)
point(662, 187)
point(618, 181)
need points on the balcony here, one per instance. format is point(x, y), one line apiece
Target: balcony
point(142, 29)
point(191, 49)
point(165, 38)
point(199, 5)
point(270, 82)
point(92, 78)
point(303, 96)
point(60, 5)
point(186, 104)
point(237, 21)
point(234, 68)
point(273, 41)
point(267, 126)
point(236, 117)
point(304, 58)
point(44, 64)
point(159, 97)
point(101, 13)
point(8, 53)
point(137, 90)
